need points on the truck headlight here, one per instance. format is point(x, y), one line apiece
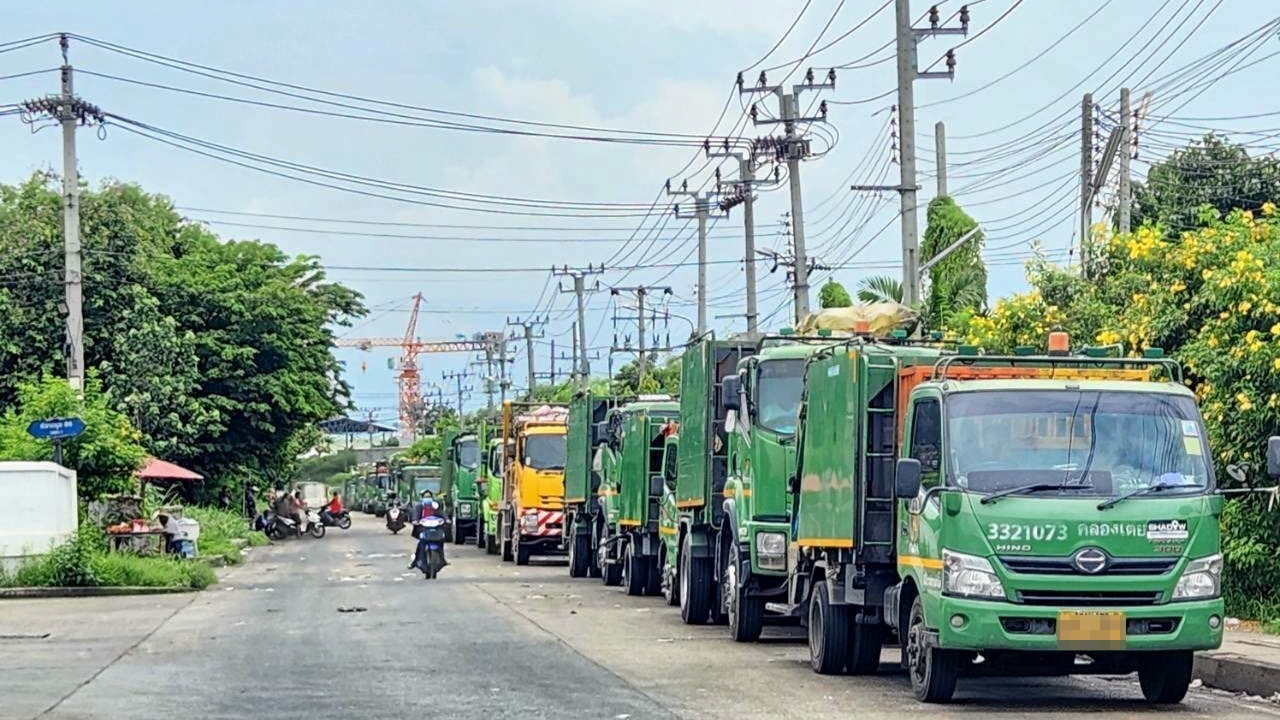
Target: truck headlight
point(1201, 580)
point(969, 576)
point(530, 522)
point(771, 549)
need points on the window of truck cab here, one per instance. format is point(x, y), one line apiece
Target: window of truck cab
point(776, 391)
point(1103, 443)
point(926, 439)
point(545, 452)
point(467, 452)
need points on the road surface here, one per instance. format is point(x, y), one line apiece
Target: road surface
point(487, 640)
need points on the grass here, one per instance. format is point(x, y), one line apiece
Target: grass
point(126, 569)
point(84, 561)
point(218, 528)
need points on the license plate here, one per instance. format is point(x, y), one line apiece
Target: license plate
point(1091, 630)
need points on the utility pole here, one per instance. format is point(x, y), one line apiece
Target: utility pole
point(529, 326)
point(458, 377)
point(701, 211)
point(641, 292)
point(1126, 159)
point(908, 40)
point(1086, 180)
point(70, 112)
point(792, 148)
point(579, 276)
point(743, 193)
point(940, 153)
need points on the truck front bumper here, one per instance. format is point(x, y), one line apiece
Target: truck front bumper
point(965, 624)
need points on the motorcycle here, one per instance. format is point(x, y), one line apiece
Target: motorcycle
point(430, 553)
point(341, 520)
point(395, 518)
point(282, 527)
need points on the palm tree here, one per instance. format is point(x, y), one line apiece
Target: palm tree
point(879, 288)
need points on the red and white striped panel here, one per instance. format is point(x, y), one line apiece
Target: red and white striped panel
point(549, 523)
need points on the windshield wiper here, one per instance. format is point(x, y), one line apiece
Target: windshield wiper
point(1034, 487)
point(1157, 487)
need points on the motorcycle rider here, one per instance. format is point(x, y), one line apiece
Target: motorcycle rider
point(426, 508)
point(329, 513)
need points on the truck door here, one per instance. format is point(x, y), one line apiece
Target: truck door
point(922, 519)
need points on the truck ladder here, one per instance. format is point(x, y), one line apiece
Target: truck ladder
point(878, 503)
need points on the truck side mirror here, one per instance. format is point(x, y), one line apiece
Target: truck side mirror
point(731, 392)
point(1273, 457)
point(598, 433)
point(656, 485)
point(793, 484)
point(906, 481)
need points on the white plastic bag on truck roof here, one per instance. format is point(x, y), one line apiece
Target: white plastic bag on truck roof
point(881, 317)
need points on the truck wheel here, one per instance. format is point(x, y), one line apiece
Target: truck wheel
point(670, 583)
point(695, 586)
point(932, 671)
point(653, 576)
point(522, 554)
point(490, 544)
point(865, 643)
point(579, 554)
point(458, 534)
point(505, 540)
point(636, 572)
point(746, 613)
point(828, 633)
point(1165, 676)
point(480, 536)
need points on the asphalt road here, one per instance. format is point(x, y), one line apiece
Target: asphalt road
point(486, 640)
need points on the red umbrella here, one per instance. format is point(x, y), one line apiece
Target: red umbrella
point(155, 469)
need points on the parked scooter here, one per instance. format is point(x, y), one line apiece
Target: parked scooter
point(342, 519)
point(282, 527)
point(396, 517)
point(430, 553)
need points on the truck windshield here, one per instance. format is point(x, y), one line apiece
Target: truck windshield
point(468, 453)
point(495, 460)
point(1108, 443)
point(545, 452)
point(778, 397)
point(421, 483)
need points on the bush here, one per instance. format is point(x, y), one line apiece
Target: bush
point(83, 561)
point(218, 528)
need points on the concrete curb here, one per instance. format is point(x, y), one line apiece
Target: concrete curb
point(1236, 673)
point(65, 592)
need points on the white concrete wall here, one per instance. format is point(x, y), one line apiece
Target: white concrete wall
point(42, 507)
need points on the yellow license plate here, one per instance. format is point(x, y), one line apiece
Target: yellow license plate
point(1091, 630)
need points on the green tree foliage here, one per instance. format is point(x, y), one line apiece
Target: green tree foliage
point(659, 377)
point(879, 288)
point(833, 295)
point(1211, 171)
point(958, 282)
point(1209, 298)
point(106, 456)
point(321, 468)
point(425, 450)
point(218, 351)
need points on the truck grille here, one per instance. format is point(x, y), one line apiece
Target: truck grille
point(1064, 565)
point(1049, 626)
point(1089, 598)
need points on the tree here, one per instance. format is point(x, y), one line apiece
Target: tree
point(425, 451)
point(833, 295)
point(958, 282)
point(879, 288)
point(106, 456)
point(658, 378)
point(1208, 299)
point(219, 352)
point(1209, 172)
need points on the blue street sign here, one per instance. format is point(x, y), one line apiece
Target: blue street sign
point(56, 428)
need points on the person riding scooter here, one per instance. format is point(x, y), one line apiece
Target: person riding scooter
point(426, 508)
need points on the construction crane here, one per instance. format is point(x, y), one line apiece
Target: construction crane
point(411, 346)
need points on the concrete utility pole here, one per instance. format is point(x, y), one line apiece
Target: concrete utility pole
point(70, 112)
point(641, 292)
point(487, 363)
point(908, 39)
point(792, 149)
point(458, 377)
point(1086, 180)
point(940, 154)
point(1126, 160)
point(701, 212)
point(529, 326)
point(743, 193)
point(579, 276)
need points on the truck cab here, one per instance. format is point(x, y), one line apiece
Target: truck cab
point(461, 473)
point(532, 513)
point(490, 490)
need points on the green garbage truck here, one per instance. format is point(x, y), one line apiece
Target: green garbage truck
point(631, 492)
point(587, 412)
point(1030, 515)
point(461, 469)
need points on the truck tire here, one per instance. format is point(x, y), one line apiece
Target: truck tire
point(745, 612)
point(933, 671)
point(579, 555)
point(670, 581)
point(522, 554)
point(480, 536)
point(505, 539)
point(459, 535)
point(696, 591)
point(653, 576)
point(1165, 676)
point(490, 545)
point(865, 643)
point(636, 572)
point(828, 633)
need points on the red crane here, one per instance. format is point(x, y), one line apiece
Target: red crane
point(408, 377)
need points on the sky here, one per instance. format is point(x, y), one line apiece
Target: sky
point(1011, 112)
